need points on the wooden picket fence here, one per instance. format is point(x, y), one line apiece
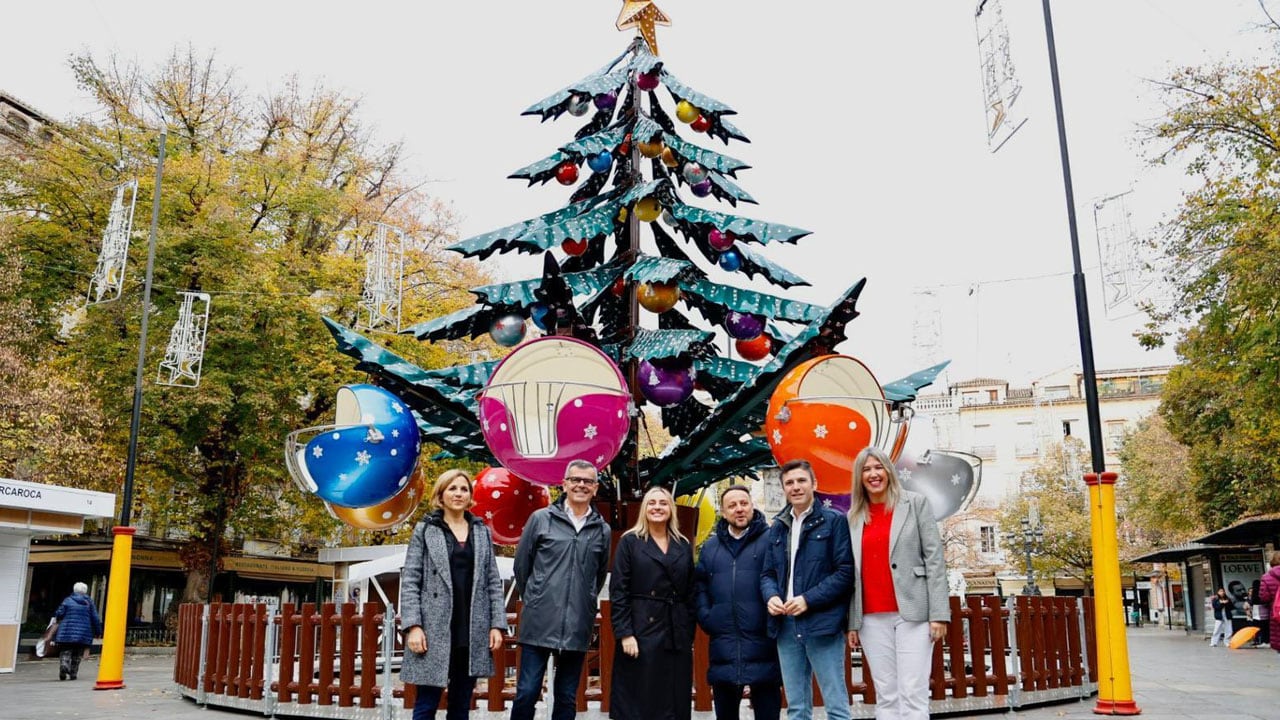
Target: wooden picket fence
point(335, 661)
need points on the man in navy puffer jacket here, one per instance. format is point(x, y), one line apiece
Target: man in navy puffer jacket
point(78, 624)
point(732, 612)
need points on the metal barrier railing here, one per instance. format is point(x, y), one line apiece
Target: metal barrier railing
point(334, 661)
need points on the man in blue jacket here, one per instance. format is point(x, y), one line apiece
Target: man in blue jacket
point(731, 611)
point(78, 624)
point(807, 583)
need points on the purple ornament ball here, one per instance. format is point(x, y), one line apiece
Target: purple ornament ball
point(665, 386)
point(743, 326)
point(702, 189)
point(606, 101)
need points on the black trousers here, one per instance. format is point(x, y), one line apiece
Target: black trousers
point(766, 700)
point(461, 685)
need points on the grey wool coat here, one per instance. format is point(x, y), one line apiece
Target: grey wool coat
point(915, 562)
point(426, 600)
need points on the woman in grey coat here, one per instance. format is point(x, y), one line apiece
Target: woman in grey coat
point(451, 605)
point(900, 605)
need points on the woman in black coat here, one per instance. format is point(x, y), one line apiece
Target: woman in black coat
point(651, 590)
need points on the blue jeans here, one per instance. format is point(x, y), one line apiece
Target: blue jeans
point(804, 656)
point(564, 693)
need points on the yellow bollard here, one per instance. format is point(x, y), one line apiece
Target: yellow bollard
point(1115, 687)
point(111, 664)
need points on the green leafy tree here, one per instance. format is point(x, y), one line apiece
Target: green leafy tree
point(1053, 492)
point(1153, 491)
point(267, 204)
point(1223, 253)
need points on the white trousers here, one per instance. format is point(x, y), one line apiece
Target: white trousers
point(1221, 629)
point(901, 657)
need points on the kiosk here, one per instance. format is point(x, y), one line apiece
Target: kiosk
point(29, 510)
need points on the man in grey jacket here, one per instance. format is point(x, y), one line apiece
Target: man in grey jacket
point(560, 566)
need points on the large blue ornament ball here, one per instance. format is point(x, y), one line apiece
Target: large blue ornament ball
point(368, 455)
point(539, 313)
point(600, 162)
point(508, 330)
point(743, 326)
point(730, 260)
point(665, 385)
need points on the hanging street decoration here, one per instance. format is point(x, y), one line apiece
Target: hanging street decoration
point(184, 356)
point(642, 230)
point(505, 501)
point(108, 277)
point(383, 278)
point(1000, 86)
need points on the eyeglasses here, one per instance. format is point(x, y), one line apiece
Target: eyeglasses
point(579, 481)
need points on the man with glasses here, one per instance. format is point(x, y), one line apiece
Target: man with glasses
point(560, 566)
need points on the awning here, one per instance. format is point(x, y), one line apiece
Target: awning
point(1253, 532)
point(273, 569)
point(394, 563)
point(1178, 553)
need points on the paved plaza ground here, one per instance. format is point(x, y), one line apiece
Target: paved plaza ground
point(1174, 676)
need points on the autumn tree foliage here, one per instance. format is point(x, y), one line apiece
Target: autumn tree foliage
point(267, 204)
point(1223, 250)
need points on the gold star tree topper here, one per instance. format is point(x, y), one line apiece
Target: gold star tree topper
point(645, 15)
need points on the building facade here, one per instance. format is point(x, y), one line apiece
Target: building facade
point(1014, 429)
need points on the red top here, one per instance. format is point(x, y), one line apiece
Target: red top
point(877, 581)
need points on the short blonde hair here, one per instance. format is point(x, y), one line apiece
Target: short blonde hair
point(1275, 558)
point(641, 528)
point(445, 480)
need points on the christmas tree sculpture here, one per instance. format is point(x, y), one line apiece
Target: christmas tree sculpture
point(630, 237)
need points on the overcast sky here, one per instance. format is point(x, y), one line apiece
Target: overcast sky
point(866, 121)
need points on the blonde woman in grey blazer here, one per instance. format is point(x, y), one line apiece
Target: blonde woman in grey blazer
point(899, 606)
point(451, 606)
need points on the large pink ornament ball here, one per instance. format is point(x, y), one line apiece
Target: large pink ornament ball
point(552, 400)
point(505, 501)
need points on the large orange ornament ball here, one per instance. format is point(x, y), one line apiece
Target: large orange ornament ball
point(757, 348)
point(388, 513)
point(658, 297)
point(825, 411)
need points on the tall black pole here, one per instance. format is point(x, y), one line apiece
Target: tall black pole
point(126, 508)
point(1115, 687)
point(1077, 277)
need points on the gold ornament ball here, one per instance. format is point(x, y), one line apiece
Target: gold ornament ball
point(648, 209)
point(388, 513)
point(686, 112)
point(658, 297)
point(669, 157)
point(651, 149)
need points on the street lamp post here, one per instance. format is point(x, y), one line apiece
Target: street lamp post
point(1032, 537)
point(1115, 687)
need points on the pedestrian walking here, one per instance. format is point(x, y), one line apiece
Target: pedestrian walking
point(1222, 605)
point(1268, 592)
point(1259, 614)
point(732, 612)
point(900, 605)
point(807, 580)
point(560, 566)
point(651, 593)
point(78, 624)
point(451, 601)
